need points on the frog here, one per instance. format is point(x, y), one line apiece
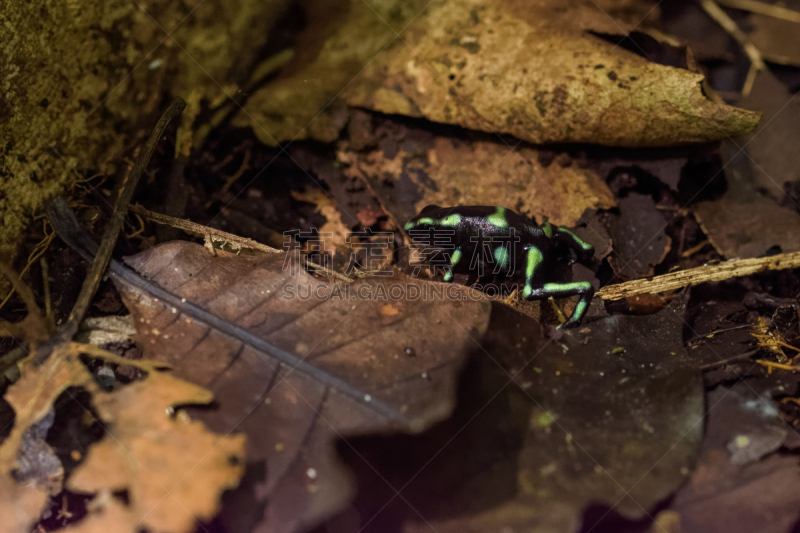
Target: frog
point(516, 245)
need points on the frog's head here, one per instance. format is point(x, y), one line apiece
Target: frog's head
point(428, 213)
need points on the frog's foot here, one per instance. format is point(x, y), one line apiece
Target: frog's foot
point(560, 290)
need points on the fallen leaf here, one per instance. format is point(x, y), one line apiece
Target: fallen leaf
point(692, 25)
point(21, 505)
point(295, 367)
point(756, 495)
point(334, 226)
point(412, 167)
point(778, 40)
point(745, 222)
point(530, 70)
point(611, 414)
point(173, 470)
point(772, 147)
point(665, 164)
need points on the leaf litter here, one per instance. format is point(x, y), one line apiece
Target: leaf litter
point(521, 435)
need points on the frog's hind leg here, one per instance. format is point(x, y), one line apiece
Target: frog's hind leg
point(455, 257)
point(583, 289)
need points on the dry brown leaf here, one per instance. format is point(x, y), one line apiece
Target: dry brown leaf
point(33, 395)
point(32, 398)
point(173, 469)
point(297, 372)
point(772, 149)
point(528, 69)
point(778, 40)
point(413, 167)
point(145, 451)
point(20, 505)
point(640, 242)
point(581, 426)
point(745, 222)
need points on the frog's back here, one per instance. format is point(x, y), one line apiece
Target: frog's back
point(489, 220)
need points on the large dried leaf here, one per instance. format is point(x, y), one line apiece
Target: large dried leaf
point(772, 148)
point(21, 505)
point(297, 373)
point(411, 167)
point(608, 415)
point(529, 69)
point(778, 40)
point(31, 398)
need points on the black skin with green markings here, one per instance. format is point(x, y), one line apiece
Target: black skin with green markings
point(510, 243)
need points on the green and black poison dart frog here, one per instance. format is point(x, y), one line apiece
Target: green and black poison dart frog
point(472, 237)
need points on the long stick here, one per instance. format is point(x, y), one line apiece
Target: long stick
point(694, 276)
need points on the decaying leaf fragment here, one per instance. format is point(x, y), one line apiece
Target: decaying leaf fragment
point(529, 69)
point(412, 167)
point(297, 363)
point(172, 469)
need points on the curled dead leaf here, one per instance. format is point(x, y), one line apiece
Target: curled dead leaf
point(529, 70)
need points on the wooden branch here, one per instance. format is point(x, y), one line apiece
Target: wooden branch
point(211, 234)
point(199, 230)
point(695, 276)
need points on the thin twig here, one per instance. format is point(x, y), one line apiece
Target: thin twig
point(727, 23)
point(761, 8)
point(722, 362)
point(22, 289)
point(101, 259)
point(212, 234)
point(48, 304)
point(695, 276)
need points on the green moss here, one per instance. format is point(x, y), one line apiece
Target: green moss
point(104, 69)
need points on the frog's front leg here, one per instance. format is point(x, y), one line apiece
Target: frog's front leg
point(455, 257)
point(584, 289)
